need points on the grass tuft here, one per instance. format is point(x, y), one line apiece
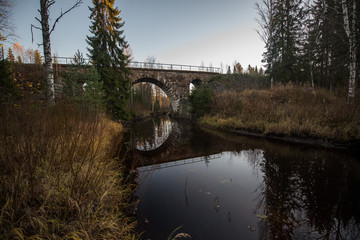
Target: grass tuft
point(58, 179)
point(287, 110)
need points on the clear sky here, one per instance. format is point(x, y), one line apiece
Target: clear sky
point(172, 31)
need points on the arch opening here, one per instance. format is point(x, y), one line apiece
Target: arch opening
point(149, 97)
point(194, 84)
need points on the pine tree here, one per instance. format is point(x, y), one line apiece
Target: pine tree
point(281, 22)
point(288, 19)
point(10, 56)
point(107, 51)
point(37, 57)
point(327, 48)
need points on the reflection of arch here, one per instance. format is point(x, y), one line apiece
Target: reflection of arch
point(163, 86)
point(168, 145)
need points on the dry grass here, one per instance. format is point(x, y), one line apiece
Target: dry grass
point(58, 178)
point(287, 110)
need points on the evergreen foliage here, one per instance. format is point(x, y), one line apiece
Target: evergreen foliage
point(7, 86)
point(200, 99)
point(306, 41)
point(282, 49)
point(10, 56)
point(37, 57)
point(83, 85)
point(107, 51)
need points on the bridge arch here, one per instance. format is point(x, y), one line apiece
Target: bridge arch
point(196, 82)
point(174, 102)
point(158, 83)
point(175, 83)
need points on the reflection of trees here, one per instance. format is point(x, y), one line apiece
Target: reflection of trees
point(151, 134)
point(309, 197)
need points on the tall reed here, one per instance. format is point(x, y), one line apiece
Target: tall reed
point(287, 110)
point(58, 178)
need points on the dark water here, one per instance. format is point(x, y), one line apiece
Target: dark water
point(216, 185)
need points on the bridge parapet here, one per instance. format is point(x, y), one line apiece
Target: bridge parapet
point(147, 65)
point(174, 67)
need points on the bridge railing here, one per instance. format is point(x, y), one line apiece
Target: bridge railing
point(160, 66)
point(166, 66)
point(67, 60)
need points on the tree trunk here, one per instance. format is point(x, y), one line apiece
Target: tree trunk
point(350, 28)
point(50, 90)
point(312, 76)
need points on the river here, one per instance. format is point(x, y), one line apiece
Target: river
point(216, 185)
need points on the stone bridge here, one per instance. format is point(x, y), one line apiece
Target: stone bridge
point(174, 80)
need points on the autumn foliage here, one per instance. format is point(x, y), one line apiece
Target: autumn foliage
point(287, 110)
point(58, 177)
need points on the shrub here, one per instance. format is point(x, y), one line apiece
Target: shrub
point(200, 100)
point(58, 179)
point(7, 86)
point(287, 110)
point(82, 86)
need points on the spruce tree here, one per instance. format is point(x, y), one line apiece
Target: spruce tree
point(10, 56)
point(280, 22)
point(37, 57)
point(107, 51)
point(327, 46)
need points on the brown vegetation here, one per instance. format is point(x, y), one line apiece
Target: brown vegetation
point(58, 178)
point(287, 111)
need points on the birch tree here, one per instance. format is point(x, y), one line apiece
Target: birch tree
point(46, 33)
point(350, 29)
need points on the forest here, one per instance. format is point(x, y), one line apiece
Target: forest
point(314, 42)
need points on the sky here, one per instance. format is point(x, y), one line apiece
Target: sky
point(191, 32)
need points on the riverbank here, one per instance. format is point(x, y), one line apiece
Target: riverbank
point(59, 178)
point(291, 113)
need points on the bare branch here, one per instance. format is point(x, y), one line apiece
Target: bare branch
point(6, 22)
point(50, 3)
point(32, 34)
point(38, 20)
point(77, 4)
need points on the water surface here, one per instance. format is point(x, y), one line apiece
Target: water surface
point(224, 186)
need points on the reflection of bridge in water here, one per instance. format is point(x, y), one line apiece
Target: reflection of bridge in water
point(305, 192)
point(171, 142)
point(179, 163)
point(182, 143)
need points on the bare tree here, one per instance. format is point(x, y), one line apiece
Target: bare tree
point(6, 26)
point(350, 29)
point(266, 22)
point(46, 33)
point(150, 61)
